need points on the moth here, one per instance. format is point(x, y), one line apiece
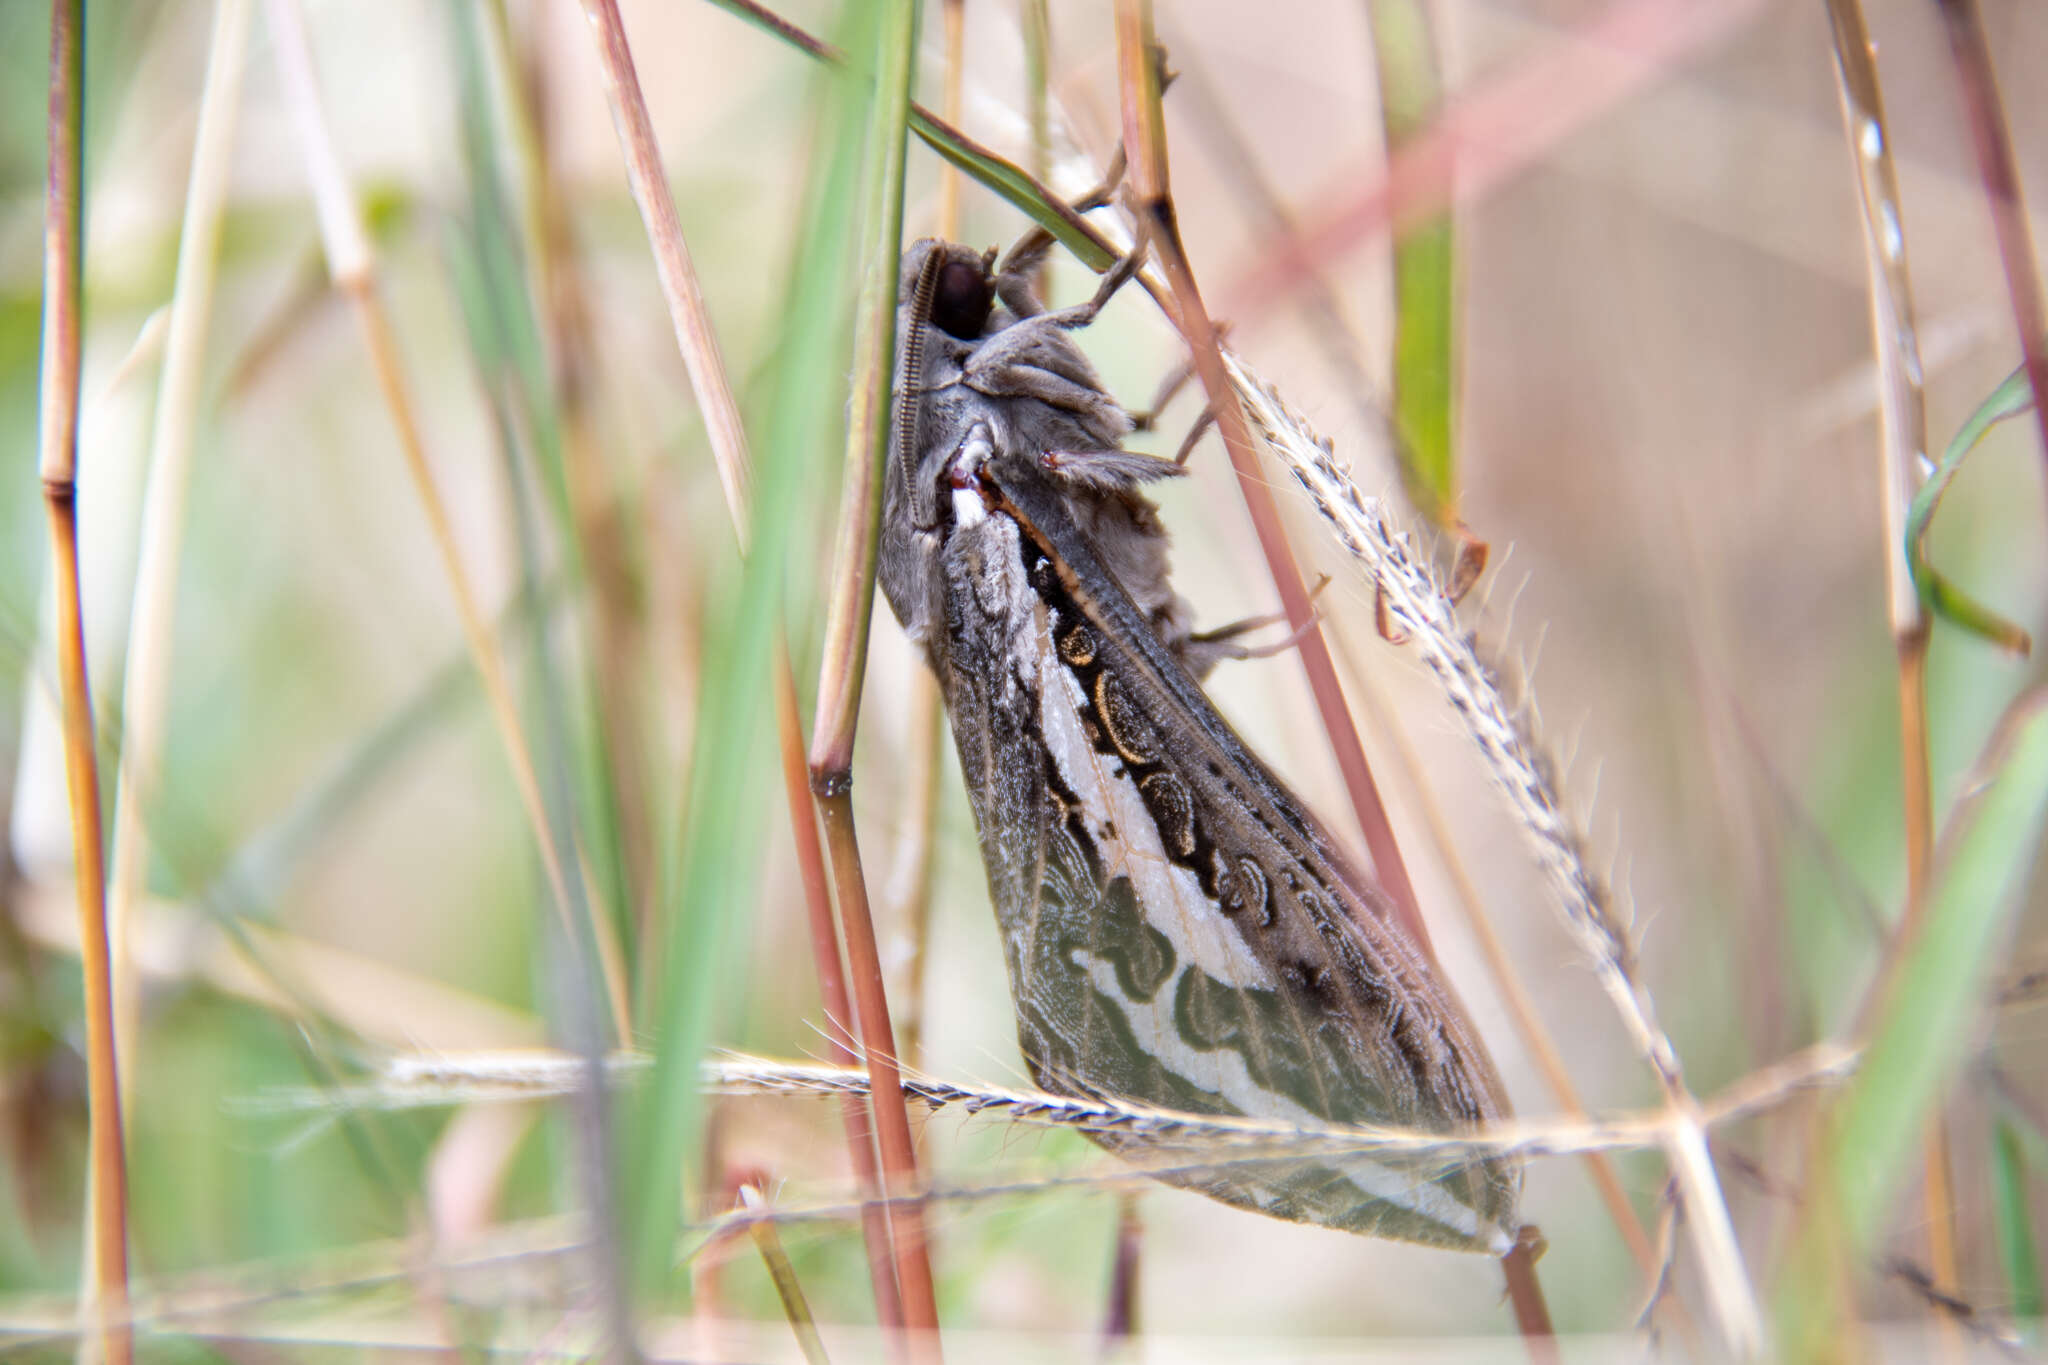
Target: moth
point(1180, 931)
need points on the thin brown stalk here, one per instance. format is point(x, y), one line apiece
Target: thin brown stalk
point(1035, 21)
point(63, 300)
point(787, 1287)
point(1979, 80)
point(843, 662)
point(905, 1296)
point(352, 265)
point(1902, 458)
point(695, 337)
point(878, 1046)
point(910, 879)
point(1525, 1297)
point(1145, 144)
point(853, 1111)
point(1120, 1321)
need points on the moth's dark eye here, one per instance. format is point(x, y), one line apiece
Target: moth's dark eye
point(961, 302)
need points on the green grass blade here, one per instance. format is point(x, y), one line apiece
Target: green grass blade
point(716, 865)
point(2013, 1217)
point(1425, 275)
point(2010, 399)
point(1004, 177)
point(1927, 1022)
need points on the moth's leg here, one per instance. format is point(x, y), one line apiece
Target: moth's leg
point(1109, 469)
point(1021, 263)
point(1003, 364)
point(1113, 279)
point(1203, 421)
point(1203, 650)
point(1019, 378)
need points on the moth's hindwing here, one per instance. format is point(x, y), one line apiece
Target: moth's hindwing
point(1180, 932)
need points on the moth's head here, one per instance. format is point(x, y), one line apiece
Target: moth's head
point(963, 285)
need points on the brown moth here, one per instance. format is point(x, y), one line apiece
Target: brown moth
point(1180, 931)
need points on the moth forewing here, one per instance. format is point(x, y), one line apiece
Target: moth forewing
point(1179, 930)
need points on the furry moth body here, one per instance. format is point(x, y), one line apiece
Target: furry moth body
point(1179, 930)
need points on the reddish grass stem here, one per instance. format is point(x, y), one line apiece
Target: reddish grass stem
point(63, 292)
point(1979, 80)
point(874, 1222)
point(1144, 142)
point(885, 1078)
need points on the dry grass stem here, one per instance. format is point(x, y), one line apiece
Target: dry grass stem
point(353, 267)
point(422, 1080)
point(1138, 67)
point(824, 940)
point(787, 1287)
point(1417, 606)
point(1902, 465)
point(105, 1297)
point(145, 698)
point(1996, 164)
point(695, 337)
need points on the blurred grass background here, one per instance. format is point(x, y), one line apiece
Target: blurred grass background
point(1668, 435)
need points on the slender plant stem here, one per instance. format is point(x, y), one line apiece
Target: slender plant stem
point(906, 1299)
point(1144, 143)
point(1123, 1319)
point(878, 1046)
point(1979, 79)
point(695, 337)
point(783, 1275)
point(909, 890)
point(853, 1112)
point(352, 264)
point(1902, 458)
point(63, 303)
point(153, 618)
point(1525, 1297)
point(843, 664)
point(955, 15)
point(619, 637)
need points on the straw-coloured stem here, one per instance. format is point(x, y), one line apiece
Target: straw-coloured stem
point(782, 1274)
point(424, 1080)
point(1902, 459)
point(153, 619)
point(695, 337)
point(63, 291)
point(353, 268)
